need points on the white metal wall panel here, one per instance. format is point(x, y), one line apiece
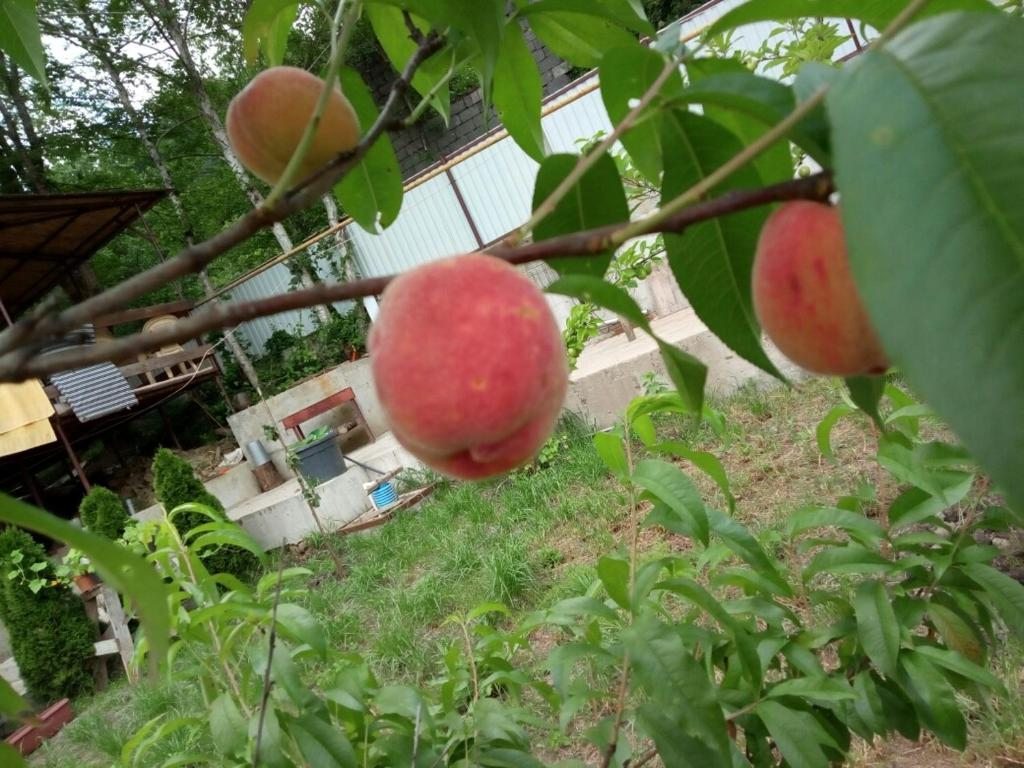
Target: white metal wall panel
point(579, 120)
point(429, 226)
point(497, 185)
point(272, 282)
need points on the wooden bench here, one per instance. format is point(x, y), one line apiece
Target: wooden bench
point(295, 421)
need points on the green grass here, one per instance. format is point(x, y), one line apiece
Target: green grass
point(532, 538)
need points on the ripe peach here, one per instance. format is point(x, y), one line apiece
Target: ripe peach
point(469, 365)
point(267, 118)
point(805, 297)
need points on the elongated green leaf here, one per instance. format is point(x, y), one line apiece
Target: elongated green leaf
point(798, 735)
point(321, 743)
point(20, 37)
point(877, 13)
point(915, 505)
point(862, 528)
point(579, 38)
point(853, 558)
point(706, 462)
point(626, 75)
point(129, 574)
point(823, 432)
point(1006, 593)
point(595, 200)
point(227, 726)
point(271, 753)
point(957, 631)
point(743, 543)
point(866, 393)
point(623, 13)
point(266, 25)
point(568, 610)
point(817, 688)
point(671, 486)
point(11, 703)
point(959, 664)
point(389, 27)
point(934, 699)
point(748, 104)
point(907, 119)
point(688, 723)
point(877, 626)
point(612, 452)
point(688, 374)
point(868, 703)
point(372, 191)
point(614, 575)
point(10, 757)
point(518, 91)
point(591, 288)
point(298, 624)
point(712, 261)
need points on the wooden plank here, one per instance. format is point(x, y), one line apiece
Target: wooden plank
point(119, 625)
point(105, 648)
point(321, 406)
point(144, 313)
point(156, 362)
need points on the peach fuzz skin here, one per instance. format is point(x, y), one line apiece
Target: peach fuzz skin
point(267, 118)
point(805, 297)
point(469, 365)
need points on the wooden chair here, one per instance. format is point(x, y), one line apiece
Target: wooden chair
point(178, 369)
point(295, 421)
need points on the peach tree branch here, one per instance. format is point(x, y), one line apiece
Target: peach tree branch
point(19, 365)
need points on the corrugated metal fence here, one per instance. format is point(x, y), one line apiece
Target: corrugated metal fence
point(495, 181)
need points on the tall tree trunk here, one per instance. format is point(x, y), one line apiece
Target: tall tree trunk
point(165, 16)
point(11, 181)
point(29, 170)
point(96, 45)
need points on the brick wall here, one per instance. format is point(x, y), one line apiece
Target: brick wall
point(423, 144)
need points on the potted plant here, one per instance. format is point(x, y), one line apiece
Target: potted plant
point(76, 567)
point(317, 456)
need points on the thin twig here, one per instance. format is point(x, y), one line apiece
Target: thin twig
point(415, 34)
point(16, 366)
point(265, 698)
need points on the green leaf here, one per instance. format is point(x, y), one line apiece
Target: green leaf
point(712, 261)
point(591, 288)
point(853, 558)
point(866, 393)
point(129, 574)
point(374, 186)
point(865, 530)
point(748, 104)
point(393, 36)
point(743, 543)
point(11, 703)
point(271, 752)
point(900, 712)
point(817, 688)
point(868, 703)
point(579, 38)
point(688, 374)
point(266, 25)
point(671, 486)
point(20, 37)
point(687, 723)
point(915, 505)
point(962, 666)
point(595, 200)
point(956, 630)
point(1006, 593)
point(623, 13)
point(877, 626)
point(877, 13)
point(518, 92)
point(298, 624)
point(10, 757)
point(612, 452)
point(227, 726)
point(798, 735)
point(706, 462)
point(907, 120)
point(626, 74)
point(934, 699)
point(322, 744)
point(614, 575)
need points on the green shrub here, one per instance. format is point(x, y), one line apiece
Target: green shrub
point(174, 484)
point(51, 636)
point(102, 512)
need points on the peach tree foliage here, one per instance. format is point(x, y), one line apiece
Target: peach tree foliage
point(701, 659)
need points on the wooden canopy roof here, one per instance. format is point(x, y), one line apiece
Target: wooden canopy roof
point(42, 237)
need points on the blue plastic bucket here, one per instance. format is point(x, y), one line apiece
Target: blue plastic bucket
point(384, 495)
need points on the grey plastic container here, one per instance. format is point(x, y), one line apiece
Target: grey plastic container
point(322, 459)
